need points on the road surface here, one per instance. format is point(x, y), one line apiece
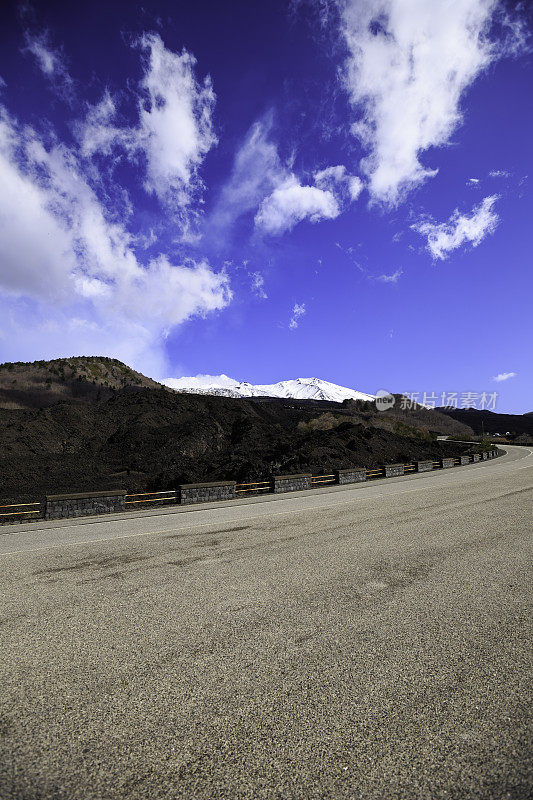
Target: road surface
point(352, 642)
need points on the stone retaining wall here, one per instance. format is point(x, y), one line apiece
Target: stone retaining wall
point(291, 483)
point(78, 505)
point(353, 475)
point(206, 492)
point(393, 470)
point(59, 506)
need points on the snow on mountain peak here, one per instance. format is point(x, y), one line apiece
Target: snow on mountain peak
point(297, 388)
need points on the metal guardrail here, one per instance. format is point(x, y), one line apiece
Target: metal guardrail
point(18, 513)
point(253, 486)
point(170, 495)
point(320, 480)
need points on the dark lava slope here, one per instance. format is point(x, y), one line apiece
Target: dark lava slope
point(155, 439)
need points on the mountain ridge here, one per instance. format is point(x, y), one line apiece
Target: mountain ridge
point(295, 388)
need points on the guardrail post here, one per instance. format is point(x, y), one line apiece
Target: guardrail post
point(351, 475)
point(206, 492)
point(60, 506)
point(291, 483)
point(393, 470)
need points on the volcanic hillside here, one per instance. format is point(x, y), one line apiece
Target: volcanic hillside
point(43, 383)
point(154, 438)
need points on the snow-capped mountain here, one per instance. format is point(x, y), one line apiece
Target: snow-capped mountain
point(298, 388)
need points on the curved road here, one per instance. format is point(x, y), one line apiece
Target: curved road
point(371, 641)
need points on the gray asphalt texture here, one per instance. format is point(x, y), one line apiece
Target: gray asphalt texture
point(353, 642)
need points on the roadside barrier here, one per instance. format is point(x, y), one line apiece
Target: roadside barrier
point(116, 500)
point(150, 497)
point(321, 480)
point(21, 509)
point(254, 486)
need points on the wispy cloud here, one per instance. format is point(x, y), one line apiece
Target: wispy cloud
point(444, 237)
point(51, 62)
point(408, 68)
point(504, 376)
point(257, 170)
point(175, 129)
point(394, 277)
point(261, 182)
point(258, 285)
point(499, 173)
point(337, 179)
point(297, 312)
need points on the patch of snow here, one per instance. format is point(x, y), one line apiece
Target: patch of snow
point(298, 388)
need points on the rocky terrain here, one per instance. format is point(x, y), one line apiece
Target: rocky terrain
point(110, 430)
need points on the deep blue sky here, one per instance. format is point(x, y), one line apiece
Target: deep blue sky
point(137, 236)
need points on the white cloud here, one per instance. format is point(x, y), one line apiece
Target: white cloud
point(337, 179)
point(330, 176)
point(410, 63)
point(499, 173)
point(97, 134)
point(258, 285)
point(260, 179)
point(444, 237)
point(473, 181)
point(393, 277)
point(51, 63)
point(175, 128)
point(291, 203)
point(355, 186)
point(257, 170)
point(297, 312)
point(516, 30)
point(504, 376)
point(61, 255)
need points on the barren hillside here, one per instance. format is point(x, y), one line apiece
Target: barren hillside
point(83, 378)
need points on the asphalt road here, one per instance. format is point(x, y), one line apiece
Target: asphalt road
point(365, 642)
